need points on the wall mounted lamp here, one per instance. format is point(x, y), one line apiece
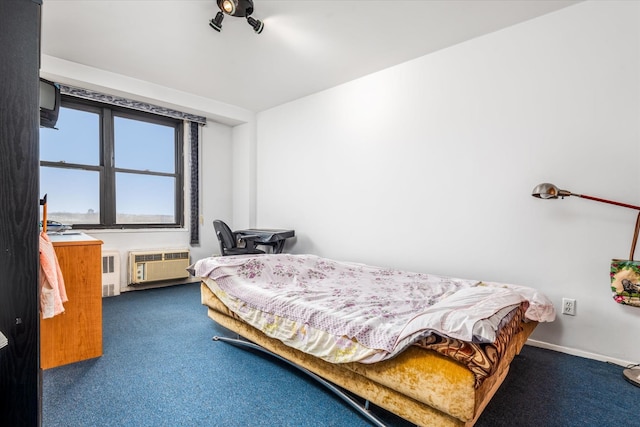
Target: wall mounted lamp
point(239, 8)
point(550, 191)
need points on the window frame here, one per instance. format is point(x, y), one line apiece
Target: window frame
point(106, 166)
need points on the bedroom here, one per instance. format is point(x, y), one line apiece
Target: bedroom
point(429, 165)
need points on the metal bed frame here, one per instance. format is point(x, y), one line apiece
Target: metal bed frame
point(363, 409)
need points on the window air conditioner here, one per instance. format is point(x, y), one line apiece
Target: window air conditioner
point(158, 266)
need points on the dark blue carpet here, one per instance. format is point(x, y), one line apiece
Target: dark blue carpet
point(161, 368)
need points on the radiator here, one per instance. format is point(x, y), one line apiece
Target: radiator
point(158, 266)
point(110, 273)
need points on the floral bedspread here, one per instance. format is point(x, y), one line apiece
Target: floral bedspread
point(380, 309)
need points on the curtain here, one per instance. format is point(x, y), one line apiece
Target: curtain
point(194, 225)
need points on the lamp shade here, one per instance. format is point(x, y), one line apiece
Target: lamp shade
point(549, 191)
point(240, 8)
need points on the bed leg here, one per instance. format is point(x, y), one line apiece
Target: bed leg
point(363, 410)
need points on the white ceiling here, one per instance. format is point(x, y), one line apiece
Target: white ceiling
point(306, 46)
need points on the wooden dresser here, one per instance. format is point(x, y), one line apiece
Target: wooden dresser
point(75, 334)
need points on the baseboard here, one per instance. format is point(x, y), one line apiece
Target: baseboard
point(579, 353)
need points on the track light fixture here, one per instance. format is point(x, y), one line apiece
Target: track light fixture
point(216, 23)
point(239, 8)
point(256, 24)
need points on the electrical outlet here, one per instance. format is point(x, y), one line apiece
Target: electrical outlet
point(569, 306)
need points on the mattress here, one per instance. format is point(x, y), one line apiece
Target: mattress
point(423, 386)
point(346, 312)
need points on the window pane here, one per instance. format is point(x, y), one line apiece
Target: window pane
point(144, 146)
point(141, 184)
point(145, 199)
point(73, 196)
point(77, 139)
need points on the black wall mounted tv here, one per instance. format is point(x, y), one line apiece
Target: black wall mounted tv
point(49, 103)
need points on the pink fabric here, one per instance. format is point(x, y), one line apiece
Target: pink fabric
point(52, 290)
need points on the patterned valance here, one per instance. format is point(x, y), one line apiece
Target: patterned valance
point(128, 103)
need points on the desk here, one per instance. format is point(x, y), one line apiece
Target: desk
point(77, 333)
point(265, 236)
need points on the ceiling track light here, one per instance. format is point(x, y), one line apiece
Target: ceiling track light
point(228, 6)
point(216, 23)
point(238, 8)
point(257, 25)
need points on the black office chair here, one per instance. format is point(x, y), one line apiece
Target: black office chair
point(228, 241)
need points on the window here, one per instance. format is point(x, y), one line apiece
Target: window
point(110, 167)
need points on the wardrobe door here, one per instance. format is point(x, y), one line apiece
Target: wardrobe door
point(20, 376)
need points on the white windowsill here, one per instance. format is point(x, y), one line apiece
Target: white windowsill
point(129, 230)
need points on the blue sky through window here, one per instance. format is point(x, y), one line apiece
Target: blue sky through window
point(138, 145)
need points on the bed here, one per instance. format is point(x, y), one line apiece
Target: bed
point(433, 352)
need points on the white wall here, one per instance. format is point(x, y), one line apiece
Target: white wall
point(216, 149)
point(244, 177)
point(428, 166)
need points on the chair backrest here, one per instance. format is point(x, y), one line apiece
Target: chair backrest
point(225, 236)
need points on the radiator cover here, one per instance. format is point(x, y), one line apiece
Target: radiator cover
point(110, 273)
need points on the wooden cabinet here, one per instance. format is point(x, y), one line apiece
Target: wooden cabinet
point(75, 334)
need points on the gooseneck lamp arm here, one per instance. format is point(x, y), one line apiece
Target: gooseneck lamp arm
point(550, 191)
